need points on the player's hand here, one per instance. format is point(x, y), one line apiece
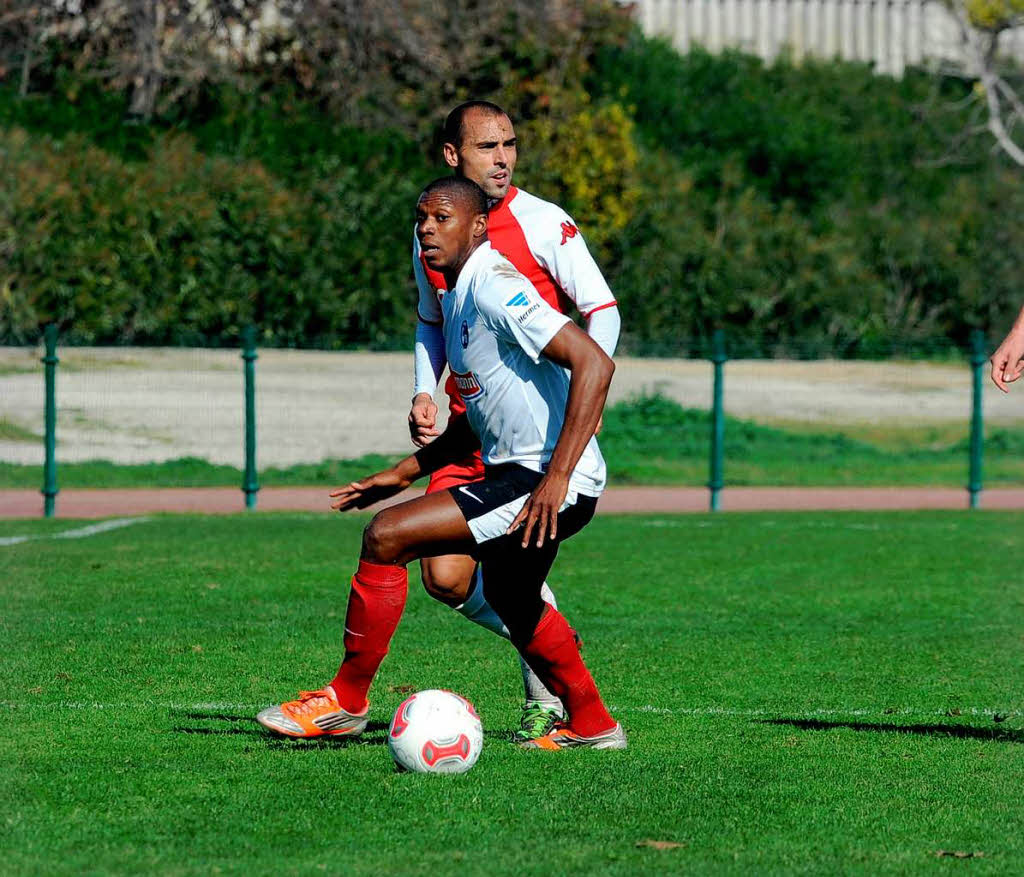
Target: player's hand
point(423, 420)
point(539, 515)
point(370, 490)
point(1006, 361)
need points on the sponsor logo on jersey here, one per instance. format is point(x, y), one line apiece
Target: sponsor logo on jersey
point(465, 334)
point(568, 231)
point(467, 384)
point(522, 308)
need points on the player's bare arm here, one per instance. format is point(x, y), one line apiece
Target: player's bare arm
point(591, 371)
point(1007, 364)
point(452, 445)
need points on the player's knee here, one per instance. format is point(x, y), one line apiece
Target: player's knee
point(442, 584)
point(380, 542)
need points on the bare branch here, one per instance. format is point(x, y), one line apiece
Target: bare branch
point(1011, 96)
point(995, 122)
point(981, 47)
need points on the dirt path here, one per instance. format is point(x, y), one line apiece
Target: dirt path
point(132, 405)
point(661, 500)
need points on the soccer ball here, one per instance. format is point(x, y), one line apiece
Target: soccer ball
point(435, 732)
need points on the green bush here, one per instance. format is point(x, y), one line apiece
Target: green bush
point(805, 208)
point(186, 248)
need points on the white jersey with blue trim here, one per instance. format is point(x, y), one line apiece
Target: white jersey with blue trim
point(495, 325)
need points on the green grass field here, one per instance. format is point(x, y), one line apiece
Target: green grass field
point(804, 693)
point(650, 440)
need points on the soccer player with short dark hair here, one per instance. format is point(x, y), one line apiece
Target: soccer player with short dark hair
point(534, 386)
point(543, 242)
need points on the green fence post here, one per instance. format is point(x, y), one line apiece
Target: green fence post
point(50, 435)
point(718, 357)
point(250, 483)
point(978, 360)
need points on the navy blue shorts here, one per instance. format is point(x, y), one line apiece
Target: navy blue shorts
point(490, 505)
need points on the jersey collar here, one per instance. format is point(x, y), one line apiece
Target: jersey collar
point(493, 206)
point(473, 264)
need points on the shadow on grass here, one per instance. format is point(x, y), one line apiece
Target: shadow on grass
point(247, 726)
point(970, 732)
point(215, 717)
point(292, 744)
point(245, 732)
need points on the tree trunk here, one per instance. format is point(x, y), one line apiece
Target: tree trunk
point(26, 66)
point(147, 21)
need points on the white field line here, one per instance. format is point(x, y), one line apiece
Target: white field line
point(683, 523)
point(80, 533)
point(726, 712)
point(815, 713)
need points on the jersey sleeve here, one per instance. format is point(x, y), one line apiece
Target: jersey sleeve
point(518, 315)
point(428, 308)
point(429, 357)
point(603, 326)
point(562, 251)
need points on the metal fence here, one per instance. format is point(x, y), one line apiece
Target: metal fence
point(892, 34)
point(234, 412)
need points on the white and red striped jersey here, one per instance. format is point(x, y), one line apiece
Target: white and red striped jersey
point(544, 244)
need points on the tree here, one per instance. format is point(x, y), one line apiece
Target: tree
point(23, 27)
point(999, 86)
point(154, 50)
point(369, 62)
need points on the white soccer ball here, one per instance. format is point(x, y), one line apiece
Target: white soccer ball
point(435, 731)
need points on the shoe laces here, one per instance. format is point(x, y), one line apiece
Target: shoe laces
point(538, 720)
point(310, 701)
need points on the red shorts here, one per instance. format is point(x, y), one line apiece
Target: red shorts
point(454, 474)
point(466, 471)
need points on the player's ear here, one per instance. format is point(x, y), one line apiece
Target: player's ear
point(451, 155)
point(479, 225)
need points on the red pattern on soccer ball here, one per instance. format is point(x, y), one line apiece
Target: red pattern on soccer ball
point(435, 752)
point(401, 720)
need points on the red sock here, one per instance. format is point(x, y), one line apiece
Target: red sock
point(555, 658)
point(375, 605)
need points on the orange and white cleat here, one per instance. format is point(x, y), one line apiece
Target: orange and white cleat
point(314, 714)
point(563, 738)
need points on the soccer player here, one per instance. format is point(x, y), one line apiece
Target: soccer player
point(1007, 364)
point(534, 386)
point(544, 244)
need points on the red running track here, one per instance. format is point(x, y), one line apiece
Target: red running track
point(73, 503)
